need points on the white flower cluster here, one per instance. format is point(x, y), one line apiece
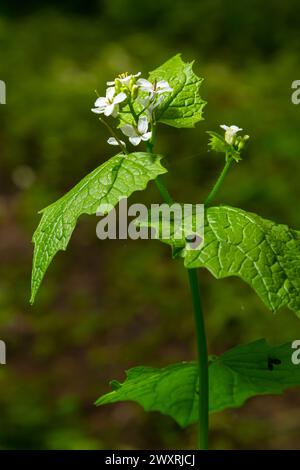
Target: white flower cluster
point(230, 132)
point(140, 97)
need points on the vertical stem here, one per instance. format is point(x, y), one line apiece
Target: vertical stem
point(158, 181)
point(202, 360)
point(203, 390)
point(149, 147)
point(219, 182)
point(203, 421)
point(163, 191)
point(135, 116)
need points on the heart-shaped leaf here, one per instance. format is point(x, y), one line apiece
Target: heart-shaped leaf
point(184, 106)
point(235, 376)
point(115, 179)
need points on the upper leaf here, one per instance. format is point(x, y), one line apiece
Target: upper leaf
point(262, 253)
point(115, 179)
point(183, 107)
point(240, 373)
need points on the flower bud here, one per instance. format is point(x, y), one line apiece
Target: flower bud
point(242, 141)
point(118, 85)
point(134, 92)
point(131, 83)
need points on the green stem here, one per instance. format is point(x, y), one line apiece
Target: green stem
point(149, 147)
point(203, 389)
point(219, 182)
point(135, 116)
point(163, 191)
point(200, 333)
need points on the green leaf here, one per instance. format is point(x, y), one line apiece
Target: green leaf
point(115, 179)
point(218, 144)
point(240, 373)
point(262, 253)
point(180, 225)
point(171, 390)
point(183, 107)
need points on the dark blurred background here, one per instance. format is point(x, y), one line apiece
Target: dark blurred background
point(107, 306)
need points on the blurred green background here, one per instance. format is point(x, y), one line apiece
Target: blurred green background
point(107, 306)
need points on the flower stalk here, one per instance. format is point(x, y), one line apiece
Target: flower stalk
point(219, 182)
point(119, 142)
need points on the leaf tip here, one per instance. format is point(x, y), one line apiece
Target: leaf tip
point(32, 296)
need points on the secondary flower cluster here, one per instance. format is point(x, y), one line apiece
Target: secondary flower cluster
point(232, 139)
point(133, 100)
point(230, 144)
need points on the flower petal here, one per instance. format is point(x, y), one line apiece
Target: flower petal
point(125, 80)
point(135, 140)
point(147, 136)
point(143, 124)
point(143, 101)
point(110, 93)
point(235, 129)
point(98, 110)
point(144, 84)
point(115, 111)
point(101, 101)
point(109, 109)
point(112, 141)
point(129, 130)
point(159, 100)
point(223, 126)
point(163, 87)
point(120, 97)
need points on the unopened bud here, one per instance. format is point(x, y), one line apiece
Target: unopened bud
point(131, 83)
point(242, 141)
point(118, 85)
point(134, 91)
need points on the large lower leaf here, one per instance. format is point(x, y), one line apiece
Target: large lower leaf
point(264, 254)
point(184, 106)
point(240, 373)
point(115, 179)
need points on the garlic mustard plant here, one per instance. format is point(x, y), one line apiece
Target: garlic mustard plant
point(263, 253)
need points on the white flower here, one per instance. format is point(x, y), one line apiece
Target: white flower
point(109, 104)
point(230, 132)
point(154, 88)
point(124, 79)
point(149, 104)
point(114, 141)
point(136, 134)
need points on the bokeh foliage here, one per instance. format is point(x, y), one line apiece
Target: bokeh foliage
point(108, 306)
